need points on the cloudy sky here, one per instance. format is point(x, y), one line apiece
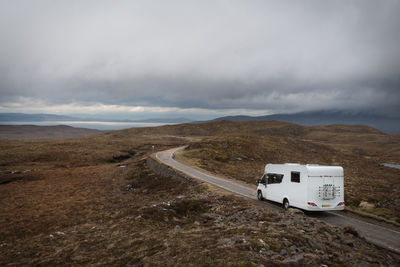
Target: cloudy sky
point(198, 59)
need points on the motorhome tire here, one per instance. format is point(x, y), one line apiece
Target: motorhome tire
point(259, 195)
point(286, 204)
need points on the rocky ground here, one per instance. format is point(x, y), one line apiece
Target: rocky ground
point(135, 217)
point(95, 201)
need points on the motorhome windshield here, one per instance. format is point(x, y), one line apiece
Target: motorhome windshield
point(274, 178)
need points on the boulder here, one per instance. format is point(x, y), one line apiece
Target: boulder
point(366, 205)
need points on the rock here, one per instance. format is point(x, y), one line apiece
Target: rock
point(138, 217)
point(261, 223)
point(348, 229)
point(324, 257)
point(348, 242)
point(286, 242)
point(177, 227)
point(60, 233)
point(296, 260)
point(295, 211)
point(276, 257)
point(226, 241)
point(311, 257)
point(196, 223)
point(289, 262)
point(315, 245)
point(366, 205)
point(165, 245)
point(283, 252)
point(272, 235)
point(244, 241)
point(264, 243)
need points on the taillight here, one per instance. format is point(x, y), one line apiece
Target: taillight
point(341, 204)
point(312, 204)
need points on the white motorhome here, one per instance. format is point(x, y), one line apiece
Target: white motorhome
point(308, 187)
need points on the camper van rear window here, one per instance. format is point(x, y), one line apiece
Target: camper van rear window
point(274, 178)
point(295, 177)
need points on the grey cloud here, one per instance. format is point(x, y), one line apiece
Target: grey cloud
point(273, 55)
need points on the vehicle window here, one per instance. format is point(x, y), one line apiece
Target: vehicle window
point(295, 177)
point(274, 178)
point(264, 179)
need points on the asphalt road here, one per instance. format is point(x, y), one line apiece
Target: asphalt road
point(376, 234)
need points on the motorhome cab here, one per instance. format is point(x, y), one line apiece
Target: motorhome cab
point(308, 187)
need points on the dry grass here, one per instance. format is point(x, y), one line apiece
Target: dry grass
point(359, 150)
point(43, 132)
point(77, 206)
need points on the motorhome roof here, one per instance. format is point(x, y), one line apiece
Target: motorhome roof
point(312, 169)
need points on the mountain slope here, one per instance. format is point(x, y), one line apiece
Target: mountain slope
point(4, 117)
point(43, 132)
point(384, 123)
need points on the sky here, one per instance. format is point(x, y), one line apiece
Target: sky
point(198, 59)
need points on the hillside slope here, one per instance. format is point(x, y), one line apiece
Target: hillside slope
point(43, 132)
point(389, 124)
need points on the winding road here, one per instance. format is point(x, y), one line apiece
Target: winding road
point(375, 234)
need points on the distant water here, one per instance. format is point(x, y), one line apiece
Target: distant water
point(98, 125)
point(397, 166)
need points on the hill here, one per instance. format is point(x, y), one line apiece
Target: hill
point(22, 117)
point(384, 123)
point(43, 132)
point(166, 120)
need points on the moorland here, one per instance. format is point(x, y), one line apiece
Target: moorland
point(93, 200)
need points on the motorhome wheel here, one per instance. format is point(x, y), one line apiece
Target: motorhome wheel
point(259, 195)
point(286, 204)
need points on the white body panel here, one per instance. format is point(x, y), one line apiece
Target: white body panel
point(322, 186)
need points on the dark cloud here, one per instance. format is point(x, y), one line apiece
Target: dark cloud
point(246, 55)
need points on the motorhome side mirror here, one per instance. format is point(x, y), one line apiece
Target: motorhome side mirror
point(258, 181)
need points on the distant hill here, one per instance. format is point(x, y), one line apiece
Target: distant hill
point(383, 123)
point(167, 120)
point(22, 117)
point(43, 132)
point(4, 117)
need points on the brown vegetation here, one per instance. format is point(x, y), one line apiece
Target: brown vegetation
point(359, 149)
point(94, 201)
point(43, 132)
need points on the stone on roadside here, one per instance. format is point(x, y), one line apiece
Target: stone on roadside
point(366, 205)
point(295, 211)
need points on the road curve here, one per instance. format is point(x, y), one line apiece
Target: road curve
point(375, 234)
